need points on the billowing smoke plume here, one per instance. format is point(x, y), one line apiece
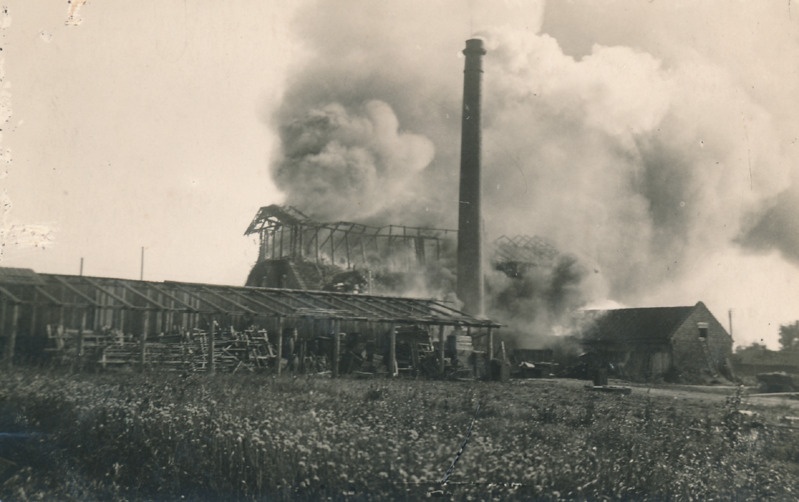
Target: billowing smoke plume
point(646, 158)
point(535, 305)
point(643, 168)
point(339, 164)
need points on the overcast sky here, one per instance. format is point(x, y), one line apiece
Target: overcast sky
point(655, 140)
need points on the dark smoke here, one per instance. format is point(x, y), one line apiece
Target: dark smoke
point(339, 164)
point(777, 227)
point(538, 303)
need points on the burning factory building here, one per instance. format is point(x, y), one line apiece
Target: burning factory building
point(530, 284)
point(355, 239)
point(366, 231)
point(307, 305)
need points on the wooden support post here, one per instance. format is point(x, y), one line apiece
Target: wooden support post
point(301, 244)
point(316, 243)
point(441, 353)
point(347, 246)
point(166, 328)
point(11, 338)
point(363, 250)
point(122, 319)
point(80, 338)
point(303, 354)
point(332, 247)
point(143, 344)
point(392, 352)
point(32, 329)
point(489, 357)
point(6, 358)
point(170, 318)
point(212, 347)
point(126, 318)
point(336, 350)
point(279, 345)
point(97, 318)
point(195, 318)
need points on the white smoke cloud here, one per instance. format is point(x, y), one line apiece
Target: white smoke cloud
point(339, 164)
point(642, 167)
point(644, 154)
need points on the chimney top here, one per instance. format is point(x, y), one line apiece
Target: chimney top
point(474, 46)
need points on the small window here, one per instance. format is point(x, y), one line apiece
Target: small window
point(702, 330)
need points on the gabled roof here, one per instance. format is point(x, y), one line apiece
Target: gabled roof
point(649, 324)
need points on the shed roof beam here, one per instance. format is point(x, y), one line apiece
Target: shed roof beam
point(75, 290)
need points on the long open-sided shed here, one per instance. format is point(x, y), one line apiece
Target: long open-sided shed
point(36, 308)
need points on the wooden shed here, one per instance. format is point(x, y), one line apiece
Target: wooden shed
point(105, 319)
point(686, 344)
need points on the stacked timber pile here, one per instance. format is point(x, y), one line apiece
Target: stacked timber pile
point(188, 351)
point(247, 350)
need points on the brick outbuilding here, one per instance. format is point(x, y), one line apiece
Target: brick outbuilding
point(686, 344)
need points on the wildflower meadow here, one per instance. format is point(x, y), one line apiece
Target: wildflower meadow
point(256, 437)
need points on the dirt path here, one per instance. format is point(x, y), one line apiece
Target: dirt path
point(690, 393)
point(717, 393)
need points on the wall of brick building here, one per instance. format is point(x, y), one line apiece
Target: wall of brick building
point(689, 358)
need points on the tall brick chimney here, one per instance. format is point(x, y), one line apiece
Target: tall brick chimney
point(470, 238)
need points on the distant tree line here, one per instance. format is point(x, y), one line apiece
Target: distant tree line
point(789, 340)
point(789, 336)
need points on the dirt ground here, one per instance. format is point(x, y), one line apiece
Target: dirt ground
point(752, 397)
point(718, 393)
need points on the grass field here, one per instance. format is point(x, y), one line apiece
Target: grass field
point(249, 437)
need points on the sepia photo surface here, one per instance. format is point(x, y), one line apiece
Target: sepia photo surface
point(362, 250)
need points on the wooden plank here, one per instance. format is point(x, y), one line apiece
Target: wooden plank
point(392, 352)
point(75, 290)
point(81, 339)
point(279, 345)
point(336, 350)
point(10, 295)
point(187, 307)
point(8, 351)
point(120, 299)
point(143, 296)
point(246, 309)
point(441, 361)
point(143, 344)
point(212, 348)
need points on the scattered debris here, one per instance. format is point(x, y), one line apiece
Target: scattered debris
point(790, 422)
point(613, 389)
point(777, 381)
